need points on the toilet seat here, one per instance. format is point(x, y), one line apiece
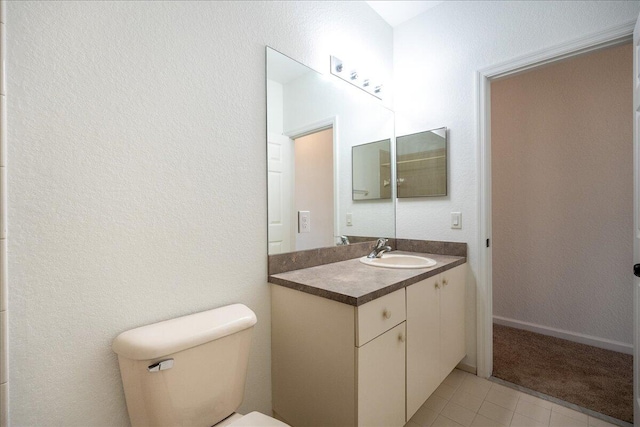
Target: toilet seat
point(256, 419)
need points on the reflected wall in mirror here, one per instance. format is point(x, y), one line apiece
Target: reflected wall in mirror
point(371, 171)
point(421, 164)
point(312, 123)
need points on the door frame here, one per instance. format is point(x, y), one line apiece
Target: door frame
point(613, 36)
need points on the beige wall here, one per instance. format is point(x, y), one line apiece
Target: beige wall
point(314, 188)
point(562, 196)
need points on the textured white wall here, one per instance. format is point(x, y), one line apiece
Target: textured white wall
point(436, 56)
point(562, 195)
point(138, 179)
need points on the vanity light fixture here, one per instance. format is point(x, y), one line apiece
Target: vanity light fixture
point(350, 75)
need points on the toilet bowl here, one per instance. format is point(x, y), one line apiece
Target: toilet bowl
point(189, 371)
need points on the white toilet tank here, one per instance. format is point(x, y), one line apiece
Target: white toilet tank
point(188, 371)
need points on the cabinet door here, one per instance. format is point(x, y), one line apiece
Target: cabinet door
point(313, 361)
point(423, 342)
point(452, 332)
point(381, 380)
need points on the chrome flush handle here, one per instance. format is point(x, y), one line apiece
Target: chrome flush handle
point(161, 366)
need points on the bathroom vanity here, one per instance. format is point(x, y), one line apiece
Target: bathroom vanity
point(357, 345)
point(353, 344)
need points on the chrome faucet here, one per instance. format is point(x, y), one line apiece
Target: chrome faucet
point(381, 247)
point(344, 240)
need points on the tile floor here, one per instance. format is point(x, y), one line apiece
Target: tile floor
point(464, 400)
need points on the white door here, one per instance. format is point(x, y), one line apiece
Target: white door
point(636, 224)
point(280, 165)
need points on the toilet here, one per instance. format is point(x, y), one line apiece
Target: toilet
point(189, 371)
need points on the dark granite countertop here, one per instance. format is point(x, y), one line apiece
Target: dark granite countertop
point(354, 283)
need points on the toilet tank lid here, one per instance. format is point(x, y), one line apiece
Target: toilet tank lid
point(174, 335)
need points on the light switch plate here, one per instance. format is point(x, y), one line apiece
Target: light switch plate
point(456, 220)
point(349, 219)
point(304, 222)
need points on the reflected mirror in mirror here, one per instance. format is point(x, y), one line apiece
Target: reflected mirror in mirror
point(372, 170)
point(313, 121)
point(421, 164)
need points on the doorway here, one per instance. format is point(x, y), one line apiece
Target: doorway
point(313, 200)
point(487, 80)
point(562, 185)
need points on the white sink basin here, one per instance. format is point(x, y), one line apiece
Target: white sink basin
point(399, 261)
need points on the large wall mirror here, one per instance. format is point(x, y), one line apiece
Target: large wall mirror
point(313, 121)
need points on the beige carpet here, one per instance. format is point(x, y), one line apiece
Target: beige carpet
point(596, 379)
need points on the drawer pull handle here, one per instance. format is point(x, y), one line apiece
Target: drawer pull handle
point(386, 314)
point(444, 282)
point(437, 285)
point(401, 337)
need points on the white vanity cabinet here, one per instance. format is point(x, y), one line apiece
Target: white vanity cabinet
point(334, 364)
point(435, 333)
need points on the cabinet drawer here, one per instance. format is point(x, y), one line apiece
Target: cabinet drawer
point(380, 315)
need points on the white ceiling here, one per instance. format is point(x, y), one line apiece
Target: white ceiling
point(397, 12)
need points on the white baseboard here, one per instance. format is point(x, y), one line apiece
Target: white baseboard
point(620, 347)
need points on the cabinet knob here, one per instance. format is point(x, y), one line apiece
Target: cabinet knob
point(437, 285)
point(386, 314)
point(401, 337)
point(444, 282)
